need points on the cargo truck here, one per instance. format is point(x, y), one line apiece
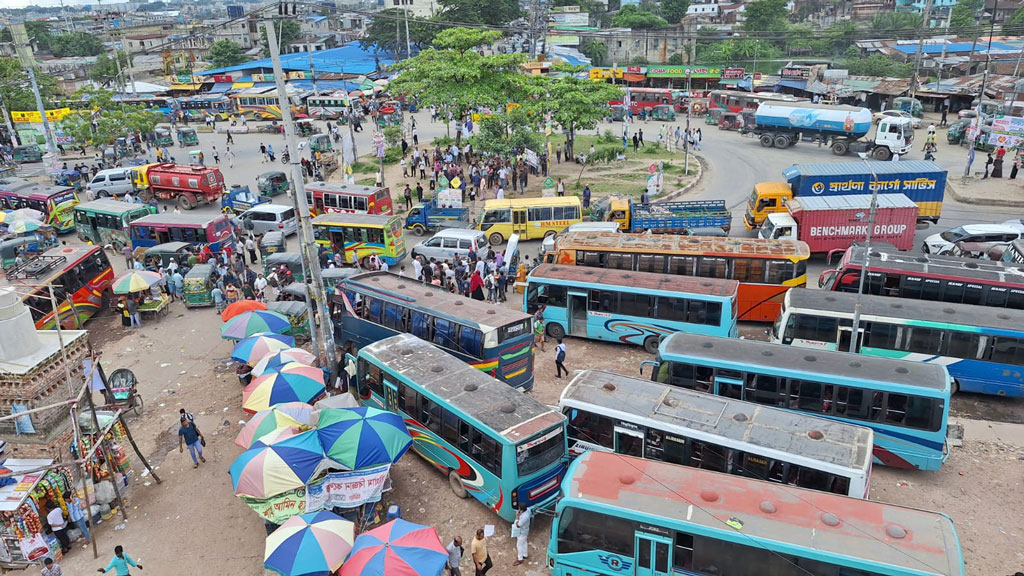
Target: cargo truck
point(426, 216)
point(836, 222)
point(843, 128)
point(922, 181)
point(187, 185)
point(668, 217)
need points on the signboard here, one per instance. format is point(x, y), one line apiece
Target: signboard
point(27, 116)
point(443, 183)
point(347, 489)
point(579, 19)
point(733, 74)
point(565, 9)
point(279, 508)
point(604, 73)
point(834, 74)
point(1006, 140)
point(531, 157)
point(564, 40)
point(297, 75)
point(1008, 125)
point(449, 198)
point(263, 78)
point(684, 71)
point(796, 72)
point(223, 78)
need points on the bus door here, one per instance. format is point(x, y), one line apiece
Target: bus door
point(629, 442)
point(519, 222)
point(845, 335)
point(653, 555)
point(577, 314)
point(390, 393)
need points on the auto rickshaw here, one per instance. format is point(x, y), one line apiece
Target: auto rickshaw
point(618, 113)
point(187, 137)
point(333, 276)
point(198, 284)
point(296, 311)
point(28, 246)
point(159, 256)
point(306, 127)
point(731, 121)
point(110, 156)
point(26, 154)
point(238, 199)
point(663, 112)
point(389, 115)
point(320, 143)
point(121, 146)
point(713, 117)
point(71, 178)
point(271, 243)
point(292, 259)
point(163, 137)
point(272, 183)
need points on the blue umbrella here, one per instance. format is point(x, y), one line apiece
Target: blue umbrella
point(253, 348)
point(362, 437)
point(313, 544)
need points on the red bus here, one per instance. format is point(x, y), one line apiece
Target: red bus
point(645, 98)
point(56, 203)
point(740, 101)
point(330, 197)
point(215, 231)
point(80, 275)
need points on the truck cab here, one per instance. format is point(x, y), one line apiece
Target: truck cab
point(767, 198)
point(780, 225)
point(895, 135)
point(618, 212)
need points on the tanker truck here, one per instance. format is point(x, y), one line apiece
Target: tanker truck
point(842, 128)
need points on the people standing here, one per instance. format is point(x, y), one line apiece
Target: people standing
point(538, 331)
point(51, 568)
point(119, 563)
point(231, 158)
point(189, 435)
point(132, 306)
point(640, 132)
point(478, 550)
point(560, 359)
point(455, 553)
point(55, 518)
point(77, 516)
point(521, 532)
point(129, 258)
point(250, 247)
point(263, 153)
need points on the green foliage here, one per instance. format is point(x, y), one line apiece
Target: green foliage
point(608, 137)
point(490, 12)
point(839, 36)
point(444, 141)
point(380, 34)
point(36, 29)
point(595, 50)
point(805, 40)
point(392, 136)
point(765, 15)
point(640, 60)
point(107, 120)
point(225, 53)
point(462, 40)
point(736, 50)
point(1015, 25)
point(674, 10)
point(637, 17)
point(287, 30)
point(15, 89)
point(878, 65)
point(602, 154)
point(965, 15)
point(574, 103)
point(895, 22)
point(676, 59)
point(502, 133)
point(77, 44)
point(105, 70)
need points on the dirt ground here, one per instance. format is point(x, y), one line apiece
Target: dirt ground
point(192, 524)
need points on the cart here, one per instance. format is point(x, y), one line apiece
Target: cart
point(272, 183)
point(187, 137)
point(122, 392)
point(238, 199)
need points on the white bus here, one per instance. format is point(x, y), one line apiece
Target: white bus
point(612, 413)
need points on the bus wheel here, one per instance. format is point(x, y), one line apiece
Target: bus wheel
point(549, 234)
point(495, 239)
point(186, 202)
point(651, 344)
point(455, 482)
point(418, 230)
point(555, 331)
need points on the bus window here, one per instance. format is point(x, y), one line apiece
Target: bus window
point(497, 216)
point(603, 301)
point(394, 316)
point(375, 235)
point(962, 345)
point(471, 341)
point(1007, 351)
point(881, 335)
point(583, 530)
point(444, 333)
point(620, 261)
point(778, 272)
point(770, 390)
point(922, 340)
point(591, 428)
point(420, 324)
point(450, 427)
point(682, 265)
point(713, 267)
point(651, 263)
point(373, 307)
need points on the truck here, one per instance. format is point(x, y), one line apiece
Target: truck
point(923, 181)
point(842, 128)
point(188, 185)
point(835, 222)
point(668, 217)
point(429, 216)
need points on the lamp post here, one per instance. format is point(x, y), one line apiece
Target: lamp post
point(867, 251)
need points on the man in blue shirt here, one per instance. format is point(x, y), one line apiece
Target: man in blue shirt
point(189, 435)
point(119, 563)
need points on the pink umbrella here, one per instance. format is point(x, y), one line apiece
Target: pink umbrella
point(398, 548)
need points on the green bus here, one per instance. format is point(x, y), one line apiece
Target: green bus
point(105, 221)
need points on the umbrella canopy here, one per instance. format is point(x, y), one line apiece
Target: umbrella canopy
point(239, 307)
point(264, 471)
point(313, 544)
point(254, 322)
point(398, 548)
point(279, 435)
point(271, 362)
point(135, 281)
point(253, 348)
point(25, 214)
point(300, 411)
point(292, 383)
point(24, 226)
point(361, 437)
point(263, 423)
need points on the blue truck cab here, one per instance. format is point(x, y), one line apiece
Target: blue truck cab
point(428, 217)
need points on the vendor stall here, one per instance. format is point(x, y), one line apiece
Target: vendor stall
point(24, 501)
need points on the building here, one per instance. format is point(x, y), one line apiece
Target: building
point(627, 46)
point(1002, 11)
point(314, 25)
point(865, 10)
point(417, 8)
point(312, 44)
point(704, 10)
point(238, 31)
point(146, 42)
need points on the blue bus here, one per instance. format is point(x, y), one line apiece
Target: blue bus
point(631, 307)
point(493, 442)
point(620, 515)
point(982, 347)
point(213, 231)
point(906, 404)
point(493, 339)
point(197, 108)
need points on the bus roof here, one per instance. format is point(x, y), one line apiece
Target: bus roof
point(706, 245)
point(856, 168)
point(841, 365)
point(343, 219)
point(530, 202)
point(339, 187)
point(641, 281)
point(914, 310)
point(108, 206)
point(436, 299)
point(508, 412)
point(992, 271)
point(178, 219)
point(72, 253)
point(884, 533)
point(841, 444)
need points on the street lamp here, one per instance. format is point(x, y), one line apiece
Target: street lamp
point(867, 251)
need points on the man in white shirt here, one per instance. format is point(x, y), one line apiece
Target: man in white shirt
point(521, 528)
point(417, 269)
point(55, 518)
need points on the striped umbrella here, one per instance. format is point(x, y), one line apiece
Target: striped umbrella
point(292, 383)
point(254, 322)
point(25, 214)
point(253, 348)
point(398, 548)
point(362, 437)
point(312, 544)
point(135, 281)
point(263, 423)
point(24, 226)
point(265, 471)
point(241, 306)
point(271, 362)
point(279, 435)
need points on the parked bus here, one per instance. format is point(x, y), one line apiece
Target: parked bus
point(983, 348)
point(530, 218)
point(332, 197)
point(358, 236)
point(80, 276)
point(765, 269)
point(630, 307)
point(740, 101)
point(927, 277)
point(626, 516)
point(495, 340)
point(198, 108)
point(328, 106)
point(647, 98)
point(613, 413)
point(906, 404)
point(106, 221)
point(495, 443)
point(55, 202)
point(263, 104)
point(163, 104)
point(215, 231)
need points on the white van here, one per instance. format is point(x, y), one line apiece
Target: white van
point(270, 217)
point(446, 244)
point(113, 182)
point(548, 244)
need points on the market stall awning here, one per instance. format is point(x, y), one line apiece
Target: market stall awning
point(13, 494)
point(795, 84)
point(186, 86)
point(221, 87)
point(242, 85)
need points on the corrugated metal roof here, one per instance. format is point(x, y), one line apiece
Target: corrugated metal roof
point(854, 202)
point(858, 167)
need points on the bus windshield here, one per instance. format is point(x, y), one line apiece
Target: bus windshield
point(541, 452)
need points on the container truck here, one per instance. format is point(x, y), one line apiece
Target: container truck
point(668, 217)
point(426, 216)
point(836, 222)
point(922, 181)
point(843, 128)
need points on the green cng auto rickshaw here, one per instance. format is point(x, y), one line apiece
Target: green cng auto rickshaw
point(333, 276)
point(320, 143)
point(187, 137)
point(272, 183)
point(713, 117)
point(305, 127)
point(617, 113)
point(663, 112)
point(26, 154)
point(163, 137)
point(297, 313)
point(291, 259)
point(28, 246)
point(271, 243)
point(159, 256)
point(198, 284)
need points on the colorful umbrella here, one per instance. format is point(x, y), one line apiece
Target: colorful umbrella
point(292, 383)
point(313, 544)
point(241, 306)
point(264, 471)
point(135, 281)
point(262, 423)
point(278, 435)
point(24, 226)
point(25, 214)
point(398, 548)
point(304, 413)
point(271, 362)
point(255, 347)
point(361, 437)
point(255, 322)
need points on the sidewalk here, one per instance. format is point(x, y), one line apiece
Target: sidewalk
point(988, 192)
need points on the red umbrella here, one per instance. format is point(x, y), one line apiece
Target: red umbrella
point(398, 548)
point(241, 307)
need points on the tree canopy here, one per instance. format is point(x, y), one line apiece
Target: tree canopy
point(574, 103)
point(765, 15)
point(895, 22)
point(737, 50)
point(490, 12)
point(637, 17)
point(1015, 25)
point(965, 15)
point(76, 44)
point(380, 34)
point(674, 10)
point(105, 70)
point(596, 50)
point(225, 53)
point(877, 65)
point(502, 133)
point(287, 31)
point(107, 120)
point(15, 89)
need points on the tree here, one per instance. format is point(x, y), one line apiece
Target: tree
point(490, 12)
point(107, 121)
point(965, 15)
point(225, 53)
point(674, 10)
point(287, 31)
point(895, 22)
point(15, 89)
point(574, 103)
point(76, 44)
point(380, 34)
point(596, 50)
point(105, 70)
point(765, 16)
point(878, 65)
point(1015, 25)
point(737, 50)
point(633, 16)
point(676, 59)
point(37, 30)
point(502, 133)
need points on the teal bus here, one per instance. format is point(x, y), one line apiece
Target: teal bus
point(621, 516)
point(906, 404)
point(105, 221)
point(630, 307)
point(493, 442)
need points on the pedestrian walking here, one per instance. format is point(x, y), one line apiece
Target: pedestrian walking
point(51, 568)
point(263, 153)
point(636, 142)
point(455, 553)
point(521, 532)
point(231, 158)
point(560, 359)
point(640, 132)
point(538, 331)
point(216, 156)
point(189, 435)
point(250, 247)
point(408, 197)
point(478, 550)
point(132, 306)
point(120, 562)
point(59, 526)
point(129, 257)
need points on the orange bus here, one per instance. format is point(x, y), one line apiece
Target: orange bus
point(325, 197)
point(765, 269)
point(81, 276)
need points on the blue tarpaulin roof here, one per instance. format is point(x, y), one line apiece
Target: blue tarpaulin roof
point(953, 47)
point(347, 59)
point(221, 87)
point(797, 84)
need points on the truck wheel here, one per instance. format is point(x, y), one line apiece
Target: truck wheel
point(781, 142)
point(840, 148)
point(495, 239)
point(881, 154)
point(766, 140)
point(549, 234)
point(186, 202)
point(418, 229)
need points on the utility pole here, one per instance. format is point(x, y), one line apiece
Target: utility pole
point(926, 23)
point(981, 95)
point(28, 61)
point(408, 41)
point(686, 137)
point(7, 122)
point(307, 245)
point(867, 252)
